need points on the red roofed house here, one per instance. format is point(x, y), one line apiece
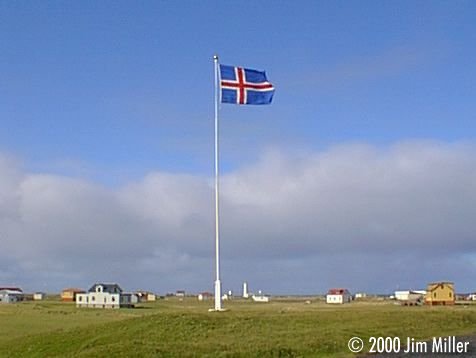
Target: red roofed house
point(69, 294)
point(338, 295)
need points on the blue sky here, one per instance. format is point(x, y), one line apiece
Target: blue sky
point(109, 93)
point(117, 84)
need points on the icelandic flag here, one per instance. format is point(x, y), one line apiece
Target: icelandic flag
point(244, 86)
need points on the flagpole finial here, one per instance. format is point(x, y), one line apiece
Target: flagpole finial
point(215, 57)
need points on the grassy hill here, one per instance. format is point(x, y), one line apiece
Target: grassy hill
point(176, 328)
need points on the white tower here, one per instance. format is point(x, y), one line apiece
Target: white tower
point(245, 290)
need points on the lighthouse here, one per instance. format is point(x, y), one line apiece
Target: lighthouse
point(245, 290)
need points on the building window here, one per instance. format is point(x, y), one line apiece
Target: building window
point(93, 298)
point(80, 298)
point(113, 299)
point(450, 294)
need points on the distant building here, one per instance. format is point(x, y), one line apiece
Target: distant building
point(180, 293)
point(440, 293)
point(338, 296)
point(205, 296)
point(472, 297)
point(69, 294)
point(39, 296)
point(145, 296)
point(360, 295)
point(105, 295)
point(409, 295)
point(260, 297)
point(10, 294)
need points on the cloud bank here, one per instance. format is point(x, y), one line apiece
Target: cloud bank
point(354, 215)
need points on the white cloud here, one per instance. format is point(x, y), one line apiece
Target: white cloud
point(285, 220)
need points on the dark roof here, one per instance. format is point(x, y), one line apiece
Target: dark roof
point(11, 289)
point(107, 287)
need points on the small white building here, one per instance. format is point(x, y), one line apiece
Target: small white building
point(360, 295)
point(10, 295)
point(408, 294)
point(260, 297)
point(338, 296)
point(472, 297)
point(105, 295)
point(39, 296)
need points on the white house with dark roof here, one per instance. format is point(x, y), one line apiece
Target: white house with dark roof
point(105, 295)
point(10, 294)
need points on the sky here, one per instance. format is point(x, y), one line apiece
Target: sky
point(360, 174)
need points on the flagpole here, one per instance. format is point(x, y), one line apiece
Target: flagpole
point(218, 306)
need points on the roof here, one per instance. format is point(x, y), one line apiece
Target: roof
point(72, 289)
point(338, 291)
point(107, 287)
point(434, 285)
point(11, 289)
point(206, 294)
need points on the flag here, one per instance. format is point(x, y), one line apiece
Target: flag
point(244, 86)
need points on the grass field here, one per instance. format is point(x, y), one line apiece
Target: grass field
point(173, 328)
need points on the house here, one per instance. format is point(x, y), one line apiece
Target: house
point(180, 293)
point(260, 297)
point(69, 294)
point(144, 296)
point(413, 299)
point(338, 295)
point(10, 295)
point(151, 297)
point(205, 296)
point(38, 296)
point(471, 297)
point(440, 293)
point(105, 295)
point(410, 297)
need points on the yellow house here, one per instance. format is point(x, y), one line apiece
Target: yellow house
point(69, 294)
point(440, 293)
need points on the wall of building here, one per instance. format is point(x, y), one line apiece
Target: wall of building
point(10, 298)
point(98, 300)
point(335, 299)
point(440, 294)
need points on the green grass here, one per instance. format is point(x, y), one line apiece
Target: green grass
point(175, 328)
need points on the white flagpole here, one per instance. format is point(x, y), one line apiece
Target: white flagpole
point(218, 306)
